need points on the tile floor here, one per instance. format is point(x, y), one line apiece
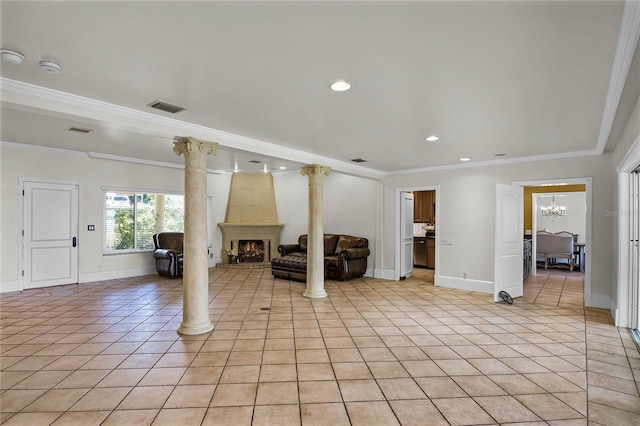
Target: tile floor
point(373, 353)
point(555, 287)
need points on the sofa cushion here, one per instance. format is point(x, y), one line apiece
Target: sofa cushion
point(331, 261)
point(330, 241)
point(170, 240)
point(302, 241)
point(347, 241)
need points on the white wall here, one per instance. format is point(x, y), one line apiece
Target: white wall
point(351, 206)
point(467, 209)
point(92, 174)
point(574, 221)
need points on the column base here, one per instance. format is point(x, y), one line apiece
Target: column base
point(315, 294)
point(195, 329)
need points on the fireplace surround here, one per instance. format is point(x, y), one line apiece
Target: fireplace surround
point(251, 216)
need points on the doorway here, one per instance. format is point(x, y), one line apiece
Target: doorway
point(49, 243)
point(546, 188)
point(402, 224)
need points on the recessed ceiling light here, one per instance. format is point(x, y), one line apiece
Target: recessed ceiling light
point(465, 159)
point(11, 56)
point(340, 86)
point(282, 168)
point(49, 67)
point(432, 138)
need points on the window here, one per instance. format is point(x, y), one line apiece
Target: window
point(131, 219)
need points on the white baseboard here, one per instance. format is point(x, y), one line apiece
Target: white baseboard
point(7, 286)
point(603, 301)
point(384, 274)
point(117, 273)
point(465, 284)
point(369, 273)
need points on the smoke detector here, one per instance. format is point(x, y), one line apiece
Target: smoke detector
point(11, 56)
point(49, 67)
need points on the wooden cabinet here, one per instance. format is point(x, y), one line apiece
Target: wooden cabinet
point(431, 253)
point(424, 206)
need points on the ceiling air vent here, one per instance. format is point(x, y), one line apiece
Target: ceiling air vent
point(359, 160)
point(255, 161)
point(166, 106)
point(79, 130)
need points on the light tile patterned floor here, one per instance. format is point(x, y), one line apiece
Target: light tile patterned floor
point(555, 287)
point(373, 353)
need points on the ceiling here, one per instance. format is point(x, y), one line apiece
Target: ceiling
point(513, 79)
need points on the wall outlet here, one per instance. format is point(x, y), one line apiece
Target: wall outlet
point(446, 241)
point(464, 275)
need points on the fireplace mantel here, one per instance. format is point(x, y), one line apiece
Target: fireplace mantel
point(245, 231)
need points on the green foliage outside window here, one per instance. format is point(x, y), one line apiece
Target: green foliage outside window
point(132, 219)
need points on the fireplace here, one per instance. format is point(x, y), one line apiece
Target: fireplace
point(251, 231)
point(252, 251)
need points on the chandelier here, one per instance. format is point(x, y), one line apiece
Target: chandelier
point(553, 211)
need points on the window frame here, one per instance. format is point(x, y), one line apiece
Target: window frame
point(135, 192)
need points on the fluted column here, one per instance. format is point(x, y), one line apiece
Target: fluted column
point(195, 303)
point(315, 244)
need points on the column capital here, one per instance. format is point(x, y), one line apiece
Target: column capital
point(315, 172)
point(195, 151)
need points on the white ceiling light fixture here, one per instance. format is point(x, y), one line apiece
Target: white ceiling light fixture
point(340, 86)
point(282, 168)
point(465, 159)
point(12, 56)
point(49, 67)
point(432, 138)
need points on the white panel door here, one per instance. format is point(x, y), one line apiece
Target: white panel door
point(50, 242)
point(406, 234)
point(508, 241)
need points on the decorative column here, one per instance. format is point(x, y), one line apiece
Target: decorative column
point(195, 303)
point(315, 244)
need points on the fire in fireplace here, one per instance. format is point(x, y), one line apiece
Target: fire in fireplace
point(251, 251)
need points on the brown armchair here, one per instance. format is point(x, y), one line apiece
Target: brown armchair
point(168, 253)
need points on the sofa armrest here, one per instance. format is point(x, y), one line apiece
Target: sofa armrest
point(355, 253)
point(166, 254)
point(285, 249)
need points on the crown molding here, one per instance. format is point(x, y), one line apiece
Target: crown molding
point(40, 148)
point(627, 41)
point(22, 93)
point(502, 162)
point(99, 155)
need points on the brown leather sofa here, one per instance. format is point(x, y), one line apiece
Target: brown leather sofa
point(168, 253)
point(345, 257)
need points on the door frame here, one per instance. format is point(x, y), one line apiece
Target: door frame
point(398, 235)
point(21, 182)
point(628, 164)
point(587, 181)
